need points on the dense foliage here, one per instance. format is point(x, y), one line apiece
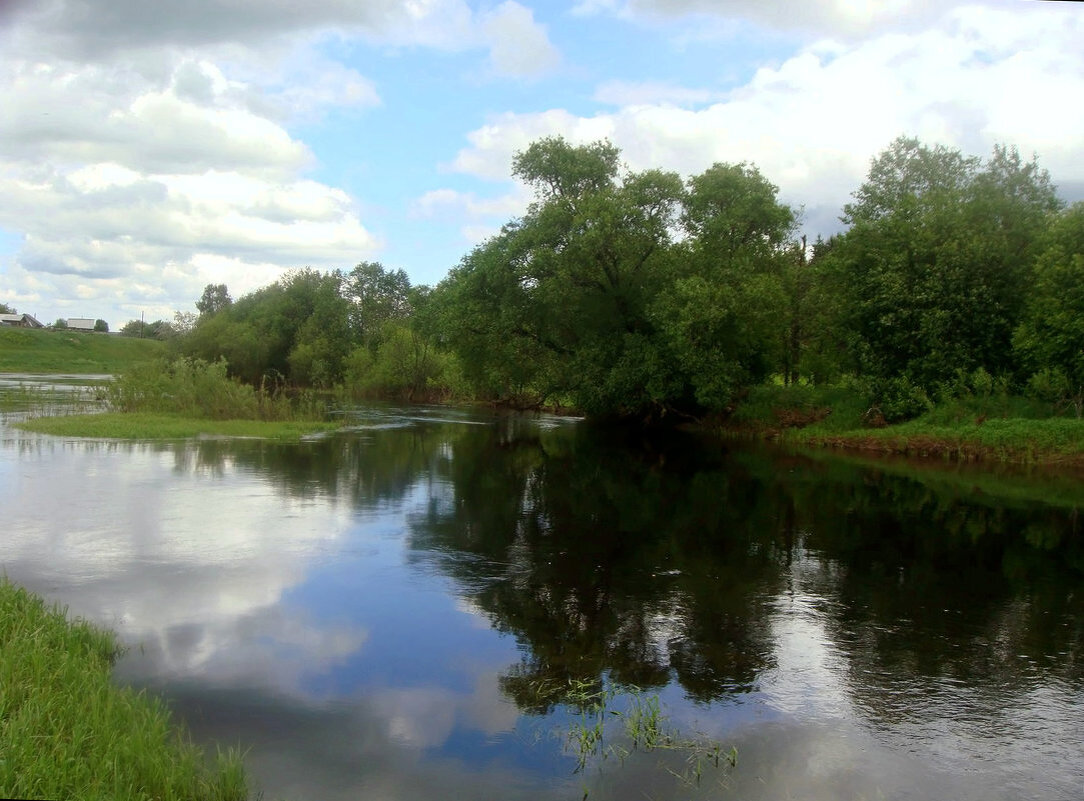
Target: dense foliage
point(627, 295)
point(643, 295)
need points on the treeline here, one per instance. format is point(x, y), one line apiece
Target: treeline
point(639, 294)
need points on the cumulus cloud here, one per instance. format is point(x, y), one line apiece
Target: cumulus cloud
point(133, 187)
point(813, 122)
point(147, 150)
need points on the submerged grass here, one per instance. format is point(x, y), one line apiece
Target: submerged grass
point(67, 732)
point(146, 425)
point(642, 726)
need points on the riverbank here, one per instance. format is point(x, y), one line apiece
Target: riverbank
point(41, 352)
point(67, 732)
point(998, 429)
point(151, 426)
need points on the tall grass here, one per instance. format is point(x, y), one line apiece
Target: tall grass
point(195, 388)
point(67, 732)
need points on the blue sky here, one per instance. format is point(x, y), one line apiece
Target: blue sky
point(148, 149)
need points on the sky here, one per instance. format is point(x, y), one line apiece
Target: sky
point(148, 149)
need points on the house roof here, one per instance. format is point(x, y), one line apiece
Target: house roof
point(15, 319)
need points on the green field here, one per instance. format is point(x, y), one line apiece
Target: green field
point(36, 351)
point(66, 731)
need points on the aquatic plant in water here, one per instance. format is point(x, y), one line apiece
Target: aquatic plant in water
point(643, 727)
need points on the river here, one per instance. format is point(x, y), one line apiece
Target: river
point(401, 610)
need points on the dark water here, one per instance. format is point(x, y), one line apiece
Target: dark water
point(398, 612)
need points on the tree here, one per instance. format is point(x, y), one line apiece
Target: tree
point(588, 297)
point(298, 327)
point(1051, 335)
point(101, 326)
point(215, 298)
point(184, 322)
point(158, 329)
point(725, 316)
point(379, 296)
point(60, 323)
point(933, 272)
point(6, 309)
point(556, 305)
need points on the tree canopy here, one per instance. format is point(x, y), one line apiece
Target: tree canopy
point(932, 275)
point(628, 293)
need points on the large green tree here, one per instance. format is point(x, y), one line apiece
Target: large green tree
point(725, 314)
point(933, 272)
point(629, 293)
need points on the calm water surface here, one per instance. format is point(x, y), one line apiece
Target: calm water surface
point(398, 611)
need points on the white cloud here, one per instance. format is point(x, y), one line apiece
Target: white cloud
point(643, 93)
point(519, 46)
point(813, 122)
point(131, 194)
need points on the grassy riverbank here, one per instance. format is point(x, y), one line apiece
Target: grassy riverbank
point(996, 428)
point(144, 425)
point(38, 351)
point(67, 732)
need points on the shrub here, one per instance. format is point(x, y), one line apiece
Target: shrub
point(185, 386)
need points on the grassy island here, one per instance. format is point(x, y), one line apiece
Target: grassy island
point(139, 425)
point(67, 732)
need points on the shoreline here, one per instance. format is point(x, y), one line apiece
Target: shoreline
point(67, 731)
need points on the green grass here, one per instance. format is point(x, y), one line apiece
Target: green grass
point(1012, 440)
point(148, 425)
point(1002, 428)
point(67, 732)
point(37, 351)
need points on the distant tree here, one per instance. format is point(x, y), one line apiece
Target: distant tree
point(60, 323)
point(379, 296)
point(101, 326)
point(184, 322)
point(159, 329)
point(6, 309)
point(132, 328)
point(297, 327)
point(215, 298)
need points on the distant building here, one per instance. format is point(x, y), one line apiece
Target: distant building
point(19, 321)
point(80, 324)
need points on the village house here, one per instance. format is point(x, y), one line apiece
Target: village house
point(80, 324)
point(19, 321)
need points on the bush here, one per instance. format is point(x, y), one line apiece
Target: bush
point(900, 399)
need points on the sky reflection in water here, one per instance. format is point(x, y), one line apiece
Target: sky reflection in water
point(373, 613)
